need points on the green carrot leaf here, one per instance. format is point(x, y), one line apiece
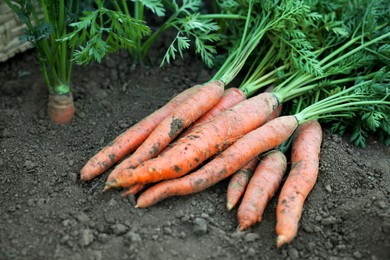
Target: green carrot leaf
point(156, 6)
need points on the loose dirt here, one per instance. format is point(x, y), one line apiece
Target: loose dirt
point(46, 212)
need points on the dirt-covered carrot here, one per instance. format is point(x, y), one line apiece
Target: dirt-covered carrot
point(205, 141)
point(261, 188)
point(266, 137)
point(239, 182)
point(171, 126)
point(61, 108)
point(230, 98)
point(129, 140)
point(300, 181)
point(240, 179)
point(133, 189)
point(233, 158)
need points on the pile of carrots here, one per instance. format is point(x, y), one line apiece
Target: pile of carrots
point(210, 132)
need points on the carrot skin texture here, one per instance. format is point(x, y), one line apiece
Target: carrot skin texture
point(261, 188)
point(129, 140)
point(233, 158)
point(205, 141)
point(300, 181)
point(238, 183)
point(230, 98)
point(240, 179)
point(133, 190)
point(60, 108)
point(171, 126)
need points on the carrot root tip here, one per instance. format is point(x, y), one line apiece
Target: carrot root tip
point(281, 240)
point(108, 186)
point(229, 206)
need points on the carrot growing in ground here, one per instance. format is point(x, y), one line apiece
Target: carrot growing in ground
point(262, 139)
point(129, 140)
point(261, 188)
point(300, 181)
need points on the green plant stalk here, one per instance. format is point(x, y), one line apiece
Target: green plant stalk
point(362, 46)
point(236, 55)
point(298, 92)
point(261, 66)
point(43, 49)
point(56, 70)
point(283, 92)
point(139, 15)
point(248, 43)
point(251, 87)
point(63, 53)
point(69, 59)
point(222, 16)
point(333, 105)
point(168, 24)
point(125, 8)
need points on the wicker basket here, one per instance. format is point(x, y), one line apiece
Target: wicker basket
point(10, 30)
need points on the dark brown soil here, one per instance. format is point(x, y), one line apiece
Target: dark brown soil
point(48, 213)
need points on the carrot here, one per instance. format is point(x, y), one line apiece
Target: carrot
point(261, 188)
point(60, 108)
point(205, 141)
point(133, 190)
point(239, 182)
point(170, 127)
point(233, 158)
point(240, 179)
point(300, 181)
point(129, 140)
point(230, 98)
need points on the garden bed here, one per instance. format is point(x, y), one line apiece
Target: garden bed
point(48, 213)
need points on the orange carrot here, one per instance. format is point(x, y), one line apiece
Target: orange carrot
point(233, 158)
point(240, 179)
point(300, 181)
point(230, 98)
point(133, 189)
point(205, 141)
point(129, 140)
point(60, 108)
point(170, 127)
point(261, 188)
point(239, 182)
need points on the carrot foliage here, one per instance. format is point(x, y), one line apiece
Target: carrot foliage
point(46, 22)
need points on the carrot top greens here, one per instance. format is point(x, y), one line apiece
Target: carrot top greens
point(43, 34)
point(288, 19)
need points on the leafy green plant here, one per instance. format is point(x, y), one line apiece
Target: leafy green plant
point(186, 19)
point(60, 40)
point(46, 22)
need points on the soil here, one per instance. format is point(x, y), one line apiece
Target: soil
point(48, 213)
